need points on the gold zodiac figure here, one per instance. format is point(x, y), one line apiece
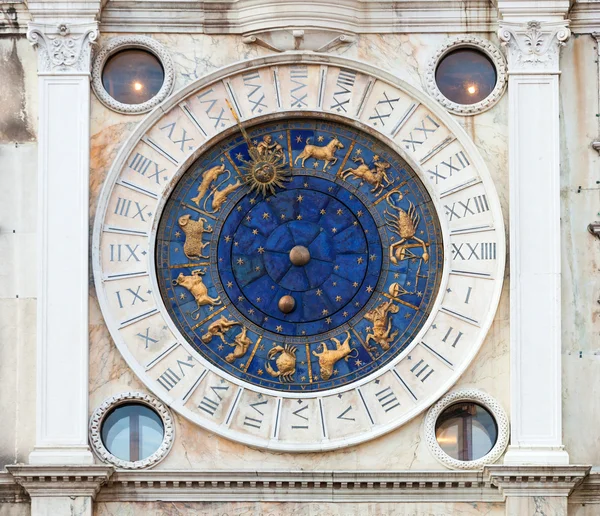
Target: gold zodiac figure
point(218, 328)
point(194, 230)
point(373, 176)
point(328, 357)
point(198, 289)
point(325, 153)
point(208, 177)
point(381, 332)
point(241, 344)
point(267, 147)
point(219, 197)
point(404, 224)
point(286, 362)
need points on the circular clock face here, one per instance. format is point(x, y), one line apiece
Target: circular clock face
point(280, 267)
point(299, 252)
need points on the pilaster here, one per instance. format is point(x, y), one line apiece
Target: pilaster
point(62, 248)
point(534, 171)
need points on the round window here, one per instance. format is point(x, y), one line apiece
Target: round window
point(466, 431)
point(132, 432)
point(133, 76)
point(466, 76)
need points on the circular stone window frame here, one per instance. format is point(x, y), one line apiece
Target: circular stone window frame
point(138, 398)
point(472, 396)
point(118, 44)
point(474, 42)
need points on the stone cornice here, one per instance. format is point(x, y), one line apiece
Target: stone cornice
point(533, 47)
point(63, 48)
point(60, 480)
point(536, 480)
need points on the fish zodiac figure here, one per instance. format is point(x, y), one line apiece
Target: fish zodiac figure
point(198, 289)
point(194, 230)
point(208, 177)
point(381, 332)
point(328, 357)
point(286, 362)
point(325, 153)
point(219, 328)
point(241, 344)
point(404, 224)
point(373, 176)
point(219, 197)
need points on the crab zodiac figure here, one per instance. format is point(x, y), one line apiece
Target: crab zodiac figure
point(373, 176)
point(404, 224)
point(325, 153)
point(198, 289)
point(286, 362)
point(194, 230)
point(328, 357)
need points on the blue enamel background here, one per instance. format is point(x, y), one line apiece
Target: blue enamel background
point(342, 223)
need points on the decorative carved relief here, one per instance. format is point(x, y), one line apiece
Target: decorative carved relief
point(63, 48)
point(467, 41)
point(468, 395)
point(134, 397)
point(317, 40)
point(534, 45)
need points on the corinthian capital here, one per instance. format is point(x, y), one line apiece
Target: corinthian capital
point(63, 48)
point(533, 46)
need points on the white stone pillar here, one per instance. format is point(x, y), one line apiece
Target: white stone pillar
point(62, 250)
point(534, 177)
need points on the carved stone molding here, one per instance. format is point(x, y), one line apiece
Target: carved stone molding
point(467, 41)
point(316, 40)
point(60, 480)
point(63, 48)
point(467, 395)
point(131, 397)
point(537, 480)
point(533, 46)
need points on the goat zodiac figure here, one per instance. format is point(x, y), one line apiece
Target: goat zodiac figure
point(404, 224)
point(325, 153)
point(328, 357)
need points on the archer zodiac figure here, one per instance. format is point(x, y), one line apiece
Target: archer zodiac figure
point(219, 328)
point(328, 357)
point(373, 176)
point(194, 230)
point(404, 224)
point(208, 178)
point(325, 153)
point(286, 362)
point(198, 289)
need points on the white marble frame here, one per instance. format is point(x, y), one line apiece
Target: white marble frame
point(118, 44)
point(478, 43)
point(475, 396)
point(287, 59)
point(99, 415)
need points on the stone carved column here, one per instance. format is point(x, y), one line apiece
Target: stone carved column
point(62, 251)
point(534, 173)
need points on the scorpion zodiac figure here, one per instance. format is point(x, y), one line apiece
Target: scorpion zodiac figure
point(328, 357)
point(286, 362)
point(404, 224)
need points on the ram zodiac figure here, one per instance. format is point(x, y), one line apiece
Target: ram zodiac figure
point(194, 231)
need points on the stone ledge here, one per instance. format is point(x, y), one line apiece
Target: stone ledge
point(60, 480)
point(10, 491)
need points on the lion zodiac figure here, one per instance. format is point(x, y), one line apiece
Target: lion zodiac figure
point(404, 224)
point(328, 357)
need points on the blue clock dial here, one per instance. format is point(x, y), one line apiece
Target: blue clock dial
point(301, 256)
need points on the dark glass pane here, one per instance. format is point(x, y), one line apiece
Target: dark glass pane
point(466, 431)
point(133, 76)
point(132, 432)
point(466, 76)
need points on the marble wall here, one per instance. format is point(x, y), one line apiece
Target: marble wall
point(18, 182)
point(405, 448)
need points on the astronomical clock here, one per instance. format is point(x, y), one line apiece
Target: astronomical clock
point(299, 253)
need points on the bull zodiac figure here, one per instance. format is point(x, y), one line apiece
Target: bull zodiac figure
point(198, 289)
point(404, 224)
point(241, 344)
point(286, 362)
point(373, 176)
point(325, 153)
point(194, 230)
point(328, 357)
point(219, 328)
